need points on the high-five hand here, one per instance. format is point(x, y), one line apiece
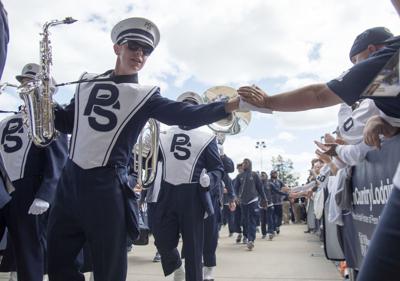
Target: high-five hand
point(254, 95)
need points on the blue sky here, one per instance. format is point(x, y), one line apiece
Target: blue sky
point(277, 45)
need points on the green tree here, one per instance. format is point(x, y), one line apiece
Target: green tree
point(285, 170)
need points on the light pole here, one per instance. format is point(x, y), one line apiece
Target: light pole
point(261, 145)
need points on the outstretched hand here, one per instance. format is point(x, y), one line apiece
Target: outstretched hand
point(254, 95)
point(375, 127)
point(326, 148)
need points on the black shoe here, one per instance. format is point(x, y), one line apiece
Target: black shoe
point(157, 257)
point(250, 245)
point(239, 238)
point(278, 230)
point(307, 231)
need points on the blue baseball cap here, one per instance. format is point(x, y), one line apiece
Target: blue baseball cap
point(372, 36)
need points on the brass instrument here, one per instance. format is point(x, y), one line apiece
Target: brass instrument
point(237, 121)
point(38, 94)
point(145, 154)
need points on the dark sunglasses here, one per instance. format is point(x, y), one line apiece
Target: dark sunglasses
point(135, 46)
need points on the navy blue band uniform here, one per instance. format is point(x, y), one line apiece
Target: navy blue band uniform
point(183, 202)
point(34, 173)
point(105, 118)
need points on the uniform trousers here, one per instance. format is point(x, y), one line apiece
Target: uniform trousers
point(180, 211)
point(89, 207)
point(26, 246)
point(211, 237)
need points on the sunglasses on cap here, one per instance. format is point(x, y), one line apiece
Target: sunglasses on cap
point(135, 46)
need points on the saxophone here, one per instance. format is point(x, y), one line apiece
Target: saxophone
point(38, 94)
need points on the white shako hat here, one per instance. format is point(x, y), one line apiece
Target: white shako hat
point(190, 96)
point(136, 29)
point(29, 71)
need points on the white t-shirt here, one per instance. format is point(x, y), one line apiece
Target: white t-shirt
point(352, 123)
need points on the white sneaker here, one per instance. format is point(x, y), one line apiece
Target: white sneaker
point(179, 274)
point(208, 273)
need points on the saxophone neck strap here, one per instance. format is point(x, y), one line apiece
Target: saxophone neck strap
point(94, 79)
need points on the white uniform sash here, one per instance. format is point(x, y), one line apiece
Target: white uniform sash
point(181, 149)
point(102, 109)
point(15, 145)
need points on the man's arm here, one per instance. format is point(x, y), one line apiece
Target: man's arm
point(274, 189)
point(308, 97)
point(171, 112)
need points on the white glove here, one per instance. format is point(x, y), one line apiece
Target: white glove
point(204, 179)
point(245, 106)
point(38, 207)
point(221, 149)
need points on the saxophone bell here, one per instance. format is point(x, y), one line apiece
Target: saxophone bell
point(37, 94)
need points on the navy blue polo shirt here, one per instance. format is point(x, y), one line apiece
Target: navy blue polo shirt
point(351, 84)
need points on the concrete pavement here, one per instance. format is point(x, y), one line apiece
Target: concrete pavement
point(291, 256)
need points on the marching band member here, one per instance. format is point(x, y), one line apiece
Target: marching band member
point(192, 167)
point(94, 203)
point(34, 173)
point(212, 223)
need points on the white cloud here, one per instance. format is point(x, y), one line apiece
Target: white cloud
point(286, 136)
point(310, 119)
